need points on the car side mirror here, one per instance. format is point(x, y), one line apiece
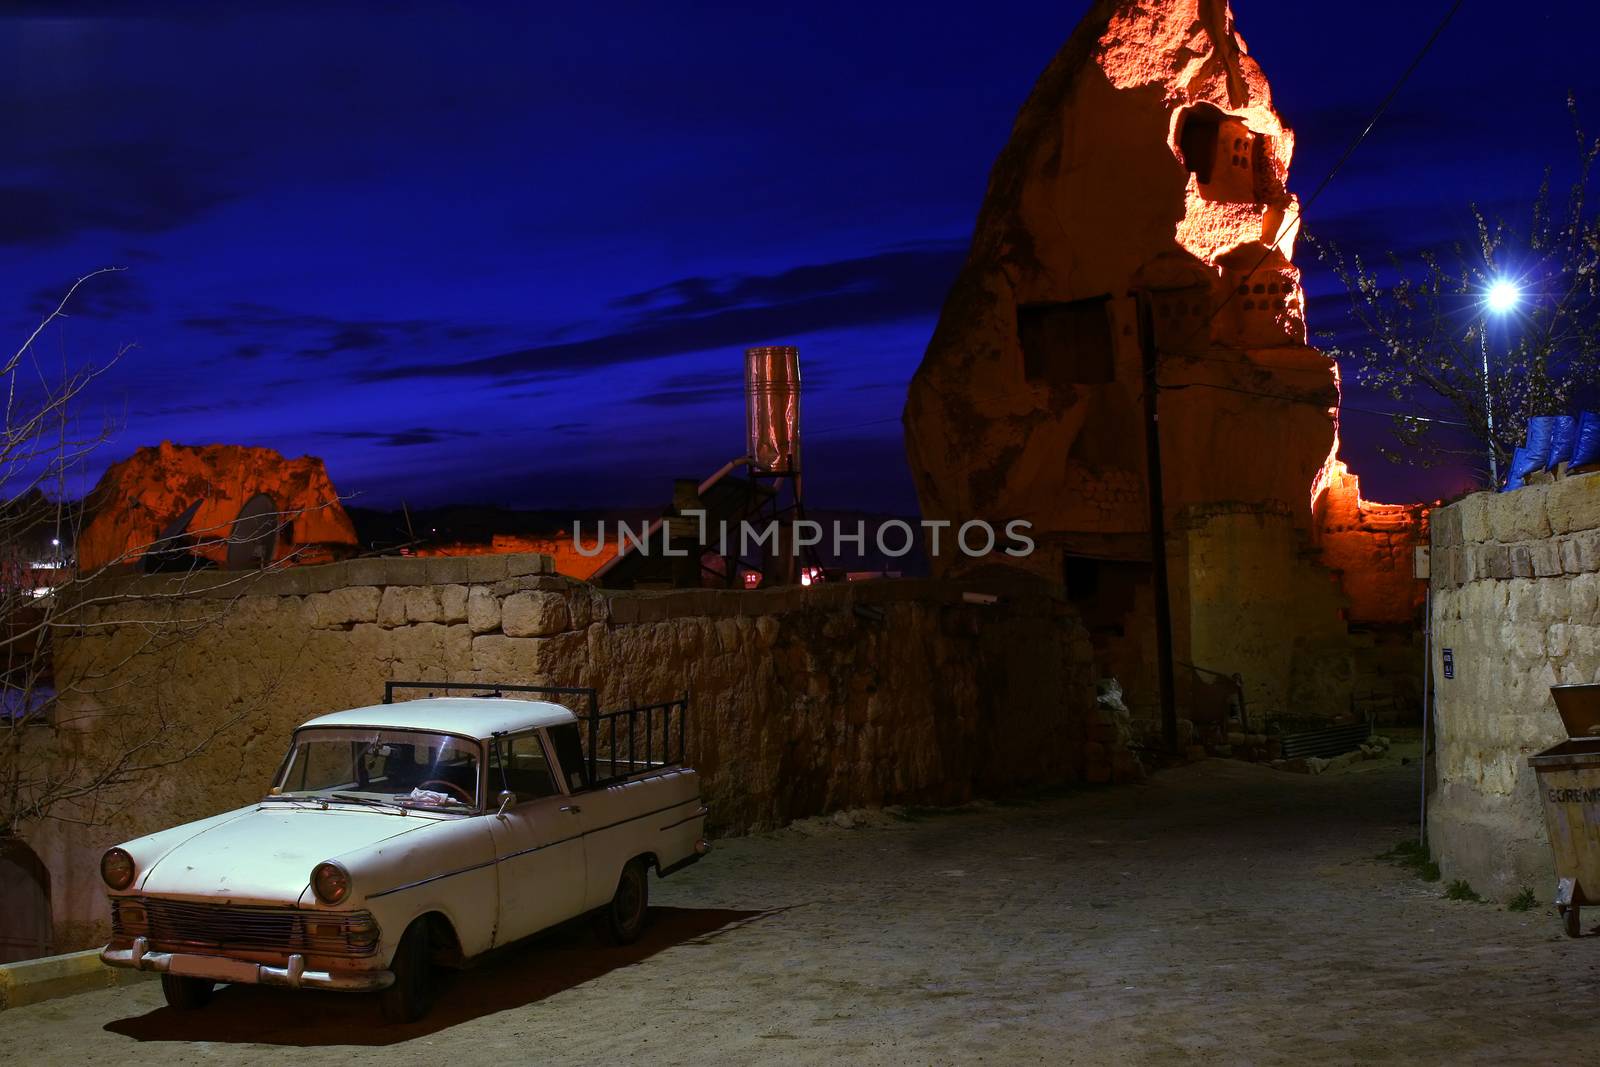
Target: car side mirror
point(506, 798)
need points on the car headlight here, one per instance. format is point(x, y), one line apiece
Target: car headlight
point(117, 868)
point(330, 882)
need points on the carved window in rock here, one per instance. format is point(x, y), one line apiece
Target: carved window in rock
point(1228, 159)
point(1067, 343)
point(1181, 319)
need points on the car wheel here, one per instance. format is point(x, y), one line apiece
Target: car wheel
point(624, 916)
point(409, 998)
point(185, 993)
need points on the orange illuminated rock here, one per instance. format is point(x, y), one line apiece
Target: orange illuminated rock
point(137, 500)
point(1372, 546)
point(559, 547)
point(1142, 190)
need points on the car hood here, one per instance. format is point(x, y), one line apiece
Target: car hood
point(266, 855)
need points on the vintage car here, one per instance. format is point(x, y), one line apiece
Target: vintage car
point(412, 835)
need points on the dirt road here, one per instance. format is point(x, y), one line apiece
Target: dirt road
point(1221, 913)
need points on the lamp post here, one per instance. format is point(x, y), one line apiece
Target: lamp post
point(1502, 298)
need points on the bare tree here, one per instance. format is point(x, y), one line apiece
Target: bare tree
point(1426, 335)
point(82, 656)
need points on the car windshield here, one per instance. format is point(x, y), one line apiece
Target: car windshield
point(407, 767)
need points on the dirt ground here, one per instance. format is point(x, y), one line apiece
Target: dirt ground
point(1221, 913)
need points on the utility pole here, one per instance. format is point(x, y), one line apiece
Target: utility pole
point(1158, 524)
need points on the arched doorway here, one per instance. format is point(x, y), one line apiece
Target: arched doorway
point(24, 903)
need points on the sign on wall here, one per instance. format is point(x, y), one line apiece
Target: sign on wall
point(1449, 663)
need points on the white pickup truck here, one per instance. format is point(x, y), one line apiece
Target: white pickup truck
point(406, 836)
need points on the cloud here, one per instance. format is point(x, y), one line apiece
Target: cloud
point(137, 188)
point(697, 314)
point(416, 435)
point(313, 336)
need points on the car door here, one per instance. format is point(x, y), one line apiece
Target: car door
point(538, 840)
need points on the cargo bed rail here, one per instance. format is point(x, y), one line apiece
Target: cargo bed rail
point(614, 739)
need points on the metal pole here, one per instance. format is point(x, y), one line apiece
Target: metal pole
point(1488, 402)
point(1158, 529)
point(1427, 678)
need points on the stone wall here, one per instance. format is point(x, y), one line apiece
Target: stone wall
point(803, 700)
point(1515, 586)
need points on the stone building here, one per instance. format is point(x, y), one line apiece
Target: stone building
point(1140, 214)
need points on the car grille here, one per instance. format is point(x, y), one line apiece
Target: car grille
point(180, 925)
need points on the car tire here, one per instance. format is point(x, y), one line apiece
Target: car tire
point(185, 993)
point(623, 919)
point(411, 995)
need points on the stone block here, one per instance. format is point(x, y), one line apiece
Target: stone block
point(485, 569)
point(453, 603)
point(447, 570)
point(288, 581)
point(1494, 561)
point(365, 572)
point(406, 570)
point(1588, 544)
point(1474, 512)
point(534, 614)
point(343, 607)
point(422, 603)
point(1573, 504)
point(483, 610)
point(325, 578)
point(529, 563)
point(1444, 527)
point(1521, 561)
point(1546, 557)
point(1583, 597)
point(1518, 516)
point(392, 607)
point(504, 659)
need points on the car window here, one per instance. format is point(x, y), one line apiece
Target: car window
point(569, 754)
point(518, 764)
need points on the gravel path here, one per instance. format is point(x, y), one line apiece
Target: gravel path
point(1222, 913)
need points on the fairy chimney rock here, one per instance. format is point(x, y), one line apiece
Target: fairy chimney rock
point(137, 499)
point(1144, 181)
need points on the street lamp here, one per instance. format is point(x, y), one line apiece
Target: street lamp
point(1501, 298)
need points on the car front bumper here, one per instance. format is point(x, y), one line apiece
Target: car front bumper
point(294, 975)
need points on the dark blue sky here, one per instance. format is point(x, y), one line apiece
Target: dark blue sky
point(511, 254)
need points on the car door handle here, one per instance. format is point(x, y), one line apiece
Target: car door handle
point(571, 809)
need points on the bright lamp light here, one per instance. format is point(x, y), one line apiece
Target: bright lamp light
point(1503, 296)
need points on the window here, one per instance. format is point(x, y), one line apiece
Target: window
point(519, 765)
point(569, 753)
point(1067, 343)
point(1197, 140)
point(412, 767)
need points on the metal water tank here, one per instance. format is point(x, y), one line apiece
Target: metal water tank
point(772, 408)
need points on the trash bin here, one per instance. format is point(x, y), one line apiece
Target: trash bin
point(1568, 777)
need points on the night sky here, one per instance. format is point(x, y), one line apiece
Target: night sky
point(512, 254)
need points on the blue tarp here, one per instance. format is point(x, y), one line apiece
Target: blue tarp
point(1523, 463)
point(1562, 440)
point(1586, 448)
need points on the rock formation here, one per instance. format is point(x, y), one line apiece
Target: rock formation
point(1140, 213)
point(1144, 179)
point(137, 499)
